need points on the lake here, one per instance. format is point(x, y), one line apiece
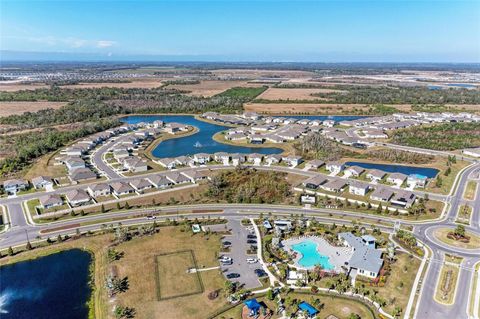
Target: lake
point(50, 287)
point(392, 168)
point(202, 141)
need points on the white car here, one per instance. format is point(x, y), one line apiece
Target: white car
point(252, 260)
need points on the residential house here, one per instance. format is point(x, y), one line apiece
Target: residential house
point(177, 178)
point(50, 201)
point(314, 164)
point(12, 186)
point(257, 139)
point(273, 159)
point(382, 194)
point(358, 188)
point(328, 123)
point(174, 128)
point(98, 190)
point(160, 181)
point(315, 182)
point(292, 161)
point(169, 163)
point(121, 188)
point(75, 151)
point(222, 157)
point(335, 167)
point(236, 137)
point(120, 153)
point(376, 175)
point(272, 138)
point(201, 158)
point(141, 184)
point(237, 159)
point(81, 175)
point(355, 171)
point(255, 158)
point(135, 165)
point(77, 197)
point(417, 180)
point(182, 160)
point(195, 175)
point(397, 178)
point(42, 182)
point(335, 186)
point(73, 163)
point(404, 199)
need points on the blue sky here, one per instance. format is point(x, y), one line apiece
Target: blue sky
point(323, 31)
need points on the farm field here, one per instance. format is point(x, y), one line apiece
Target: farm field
point(211, 88)
point(133, 83)
point(12, 87)
point(14, 108)
point(292, 94)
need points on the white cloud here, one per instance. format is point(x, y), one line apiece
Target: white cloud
point(105, 43)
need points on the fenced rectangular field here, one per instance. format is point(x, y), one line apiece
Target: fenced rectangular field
point(173, 278)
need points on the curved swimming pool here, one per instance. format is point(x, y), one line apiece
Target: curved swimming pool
point(310, 255)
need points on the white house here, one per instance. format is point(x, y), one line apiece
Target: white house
point(255, 158)
point(100, 189)
point(358, 188)
point(314, 164)
point(77, 197)
point(416, 180)
point(354, 171)
point(292, 161)
point(365, 259)
point(168, 163)
point(222, 157)
point(376, 175)
point(50, 201)
point(42, 182)
point(397, 178)
point(273, 159)
point(335, 167)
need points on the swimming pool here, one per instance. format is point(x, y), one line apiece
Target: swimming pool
point(310, 255)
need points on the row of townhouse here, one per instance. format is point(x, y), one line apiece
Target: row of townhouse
point(255, 120)
point(404, 120)
point(401, 198)
point(374, 175)
point(79, 197)
point(224, 158)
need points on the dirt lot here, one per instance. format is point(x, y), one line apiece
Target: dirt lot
point(12, 87)
point(292, 94)
point(11, 108)
point(282, 108)
point(210, 88)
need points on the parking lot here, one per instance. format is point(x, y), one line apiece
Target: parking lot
point(238, 252)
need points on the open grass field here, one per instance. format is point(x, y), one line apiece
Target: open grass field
point(15, 108)
point(292, 94)
point(139, 265)
point(173, 278)
point(442, 233)
point(211, 88)
point(470, 190)
point(12, 87)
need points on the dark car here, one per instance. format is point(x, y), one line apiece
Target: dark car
point(251, 237)
point(260, 272)
point(226, 243)
point(233, 275)
point(251, 241)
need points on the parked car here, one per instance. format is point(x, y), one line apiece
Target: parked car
point(251, 241)
point(227, 243)
point(260, 272)
point(233, 275)
point(252, 260)
point(251, 237)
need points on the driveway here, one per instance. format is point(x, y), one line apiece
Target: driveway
point(238, 252)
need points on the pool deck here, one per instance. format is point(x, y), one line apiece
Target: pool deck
point(337, 255)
